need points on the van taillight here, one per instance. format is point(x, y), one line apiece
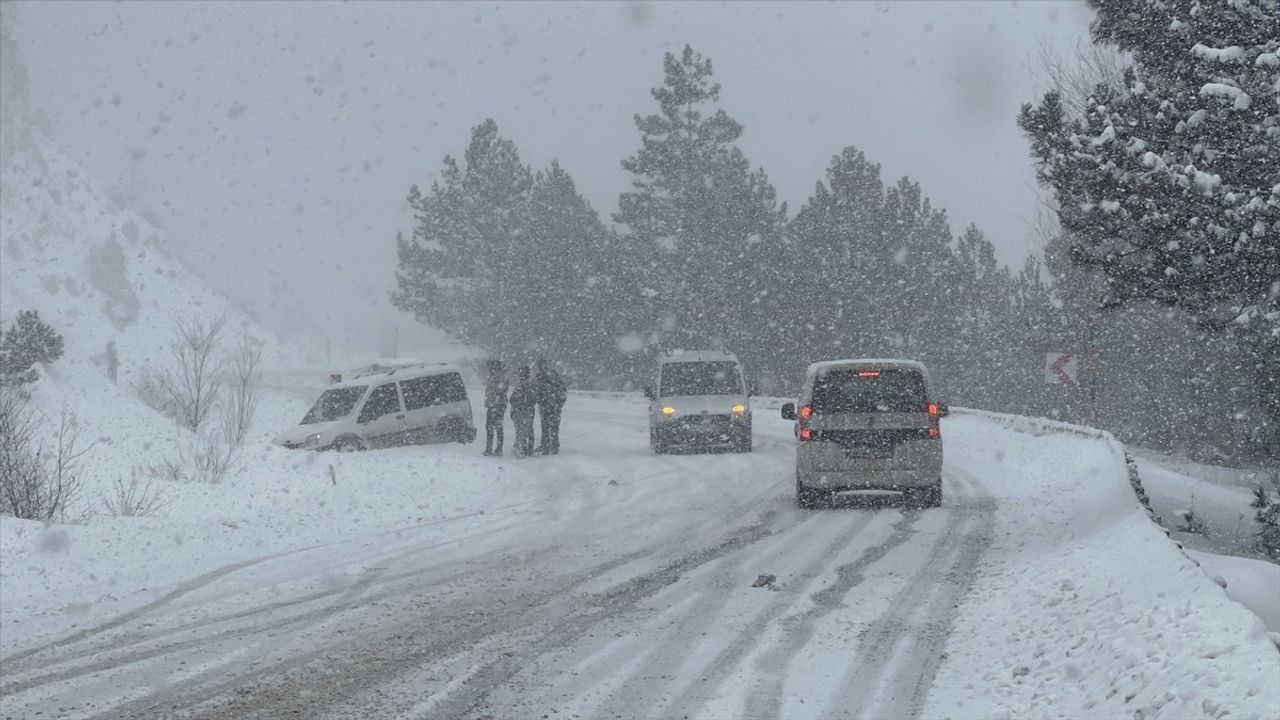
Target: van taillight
point(935, 432)
point(806, 434)
point(805, 411)
point(868, 373)
point(933, 409)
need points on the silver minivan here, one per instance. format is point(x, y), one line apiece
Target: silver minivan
point(383, 408)
point(867, 425)
point(700, 402)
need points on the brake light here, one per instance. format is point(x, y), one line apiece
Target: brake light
point(868, 373)
point(935, 432)
point(933, 409)
point(805, 411)
point(806, 434)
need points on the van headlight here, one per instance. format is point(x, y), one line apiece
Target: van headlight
point(738, 409)
point(668, 411)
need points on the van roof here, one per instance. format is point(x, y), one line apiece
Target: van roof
point(675, 356)
point(377, 372)
point(819, 369)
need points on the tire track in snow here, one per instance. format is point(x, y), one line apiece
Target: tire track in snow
point(766, 700)
point(912, 633)
point(707, 608)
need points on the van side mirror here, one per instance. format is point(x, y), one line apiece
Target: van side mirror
point(788, 411)
point(943, 410)
point(752, 389)
point(649, 393)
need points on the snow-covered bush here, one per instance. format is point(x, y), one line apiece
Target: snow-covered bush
point(27, 342)
point(35, 485)
point(133, 499)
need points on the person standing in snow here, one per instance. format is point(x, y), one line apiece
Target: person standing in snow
point(552, 394)
point(495, 405)
point(524, 399)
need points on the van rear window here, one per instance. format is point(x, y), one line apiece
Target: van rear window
point(890, 390)
point(432, 390)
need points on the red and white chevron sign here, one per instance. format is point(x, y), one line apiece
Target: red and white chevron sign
point(1060, 369)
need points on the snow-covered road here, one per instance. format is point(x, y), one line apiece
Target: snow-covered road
point(609, 582)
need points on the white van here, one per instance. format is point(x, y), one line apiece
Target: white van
point(399, 406)
point(867, 425)
point(700, 402)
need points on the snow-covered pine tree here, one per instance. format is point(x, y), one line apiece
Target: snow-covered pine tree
point(462, 268)
point(701, 211)
point(1267, 516)
point(1169, 185)
point(27, 342)
point(838, 244)
point(576, 282)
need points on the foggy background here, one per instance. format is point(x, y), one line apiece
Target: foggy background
point(274, 143)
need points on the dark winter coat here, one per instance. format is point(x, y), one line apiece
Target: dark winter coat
point(523, 400)
point(495, 391)
point(552, 391)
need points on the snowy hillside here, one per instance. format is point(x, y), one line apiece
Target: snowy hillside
point(98, 273)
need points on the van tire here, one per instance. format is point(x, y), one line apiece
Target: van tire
point(808, 498)
point(349, 443)
point(930, 497)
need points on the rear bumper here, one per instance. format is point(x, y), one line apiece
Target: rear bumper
point(876, 480)
point(917, 465)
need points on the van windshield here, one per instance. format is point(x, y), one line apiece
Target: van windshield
point(700, 378)
point(867, 391)
point(334, 404)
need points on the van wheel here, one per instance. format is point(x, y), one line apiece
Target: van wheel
point(349, 443)
point(930, 497)
point(455, 429)
point(809, 498)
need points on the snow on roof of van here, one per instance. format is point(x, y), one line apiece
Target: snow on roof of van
point(402, 369)
point(697, 356)
point(819, 369)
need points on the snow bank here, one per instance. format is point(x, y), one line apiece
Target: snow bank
point(1101, 614)
point(1252, 583)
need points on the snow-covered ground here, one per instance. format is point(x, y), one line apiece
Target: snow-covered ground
point(432, 582)
point(607, 581)
point(1218, 498)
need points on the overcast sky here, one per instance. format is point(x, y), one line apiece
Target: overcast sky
point(275, 142)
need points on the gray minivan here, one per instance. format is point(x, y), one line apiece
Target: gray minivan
point(867, 425)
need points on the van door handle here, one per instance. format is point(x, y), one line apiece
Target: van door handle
point(400, 416)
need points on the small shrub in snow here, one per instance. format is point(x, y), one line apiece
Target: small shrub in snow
point(134, 499)
point(33, 487)
point(1191, 523)
point(240, 391)
point(27, 342)
point(189, 388)
point(207, 460)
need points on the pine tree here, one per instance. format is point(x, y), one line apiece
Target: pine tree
point(574, 283)
point(462, 269)
point(1267, 516)
point(27, 342)
point(1168, 183)
point(838, 241)
point(700, 212)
